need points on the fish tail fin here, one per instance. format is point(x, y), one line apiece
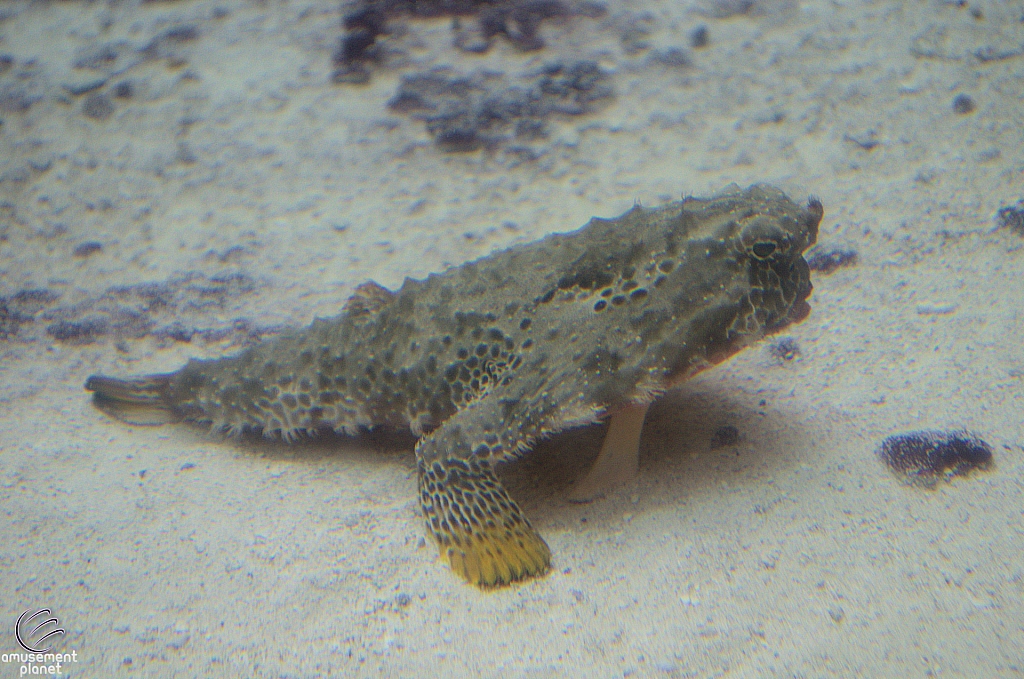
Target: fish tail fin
point(137, 400)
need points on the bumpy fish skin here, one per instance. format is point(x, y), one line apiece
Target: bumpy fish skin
point(486, 358)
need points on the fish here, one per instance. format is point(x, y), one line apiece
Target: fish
point(483, 360)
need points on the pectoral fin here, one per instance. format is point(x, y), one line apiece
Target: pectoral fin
point(619, 459)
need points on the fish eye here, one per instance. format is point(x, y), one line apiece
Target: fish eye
point(763, 238)
point(763, 249)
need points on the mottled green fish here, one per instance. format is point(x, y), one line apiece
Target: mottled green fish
point(485, 359)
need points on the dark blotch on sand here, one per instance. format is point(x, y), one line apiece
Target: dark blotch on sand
point(1012, 217)
point(726, 435)
point(963, 104)
point(922, 458)
point(784, 349)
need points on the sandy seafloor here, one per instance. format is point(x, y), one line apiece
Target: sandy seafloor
point(256, 194)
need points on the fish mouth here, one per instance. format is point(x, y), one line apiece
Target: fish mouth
point(798, 312)
point(799, 309)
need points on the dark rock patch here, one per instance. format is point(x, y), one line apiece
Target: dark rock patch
point(183, 309)
point(465, 113)
point(923, 458)
point(517, 21)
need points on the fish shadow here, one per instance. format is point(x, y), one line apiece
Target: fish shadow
point(694, 439)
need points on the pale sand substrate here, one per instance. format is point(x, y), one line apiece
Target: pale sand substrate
point(168, 552)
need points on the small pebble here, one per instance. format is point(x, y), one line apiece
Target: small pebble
point(124, 90)
point(784, 349)
point(699, 37)
point(1012, 217)
point(963, 104)
point(87, 248)
point(98, 106)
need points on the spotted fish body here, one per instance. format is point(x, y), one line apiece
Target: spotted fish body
point(486, 358)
